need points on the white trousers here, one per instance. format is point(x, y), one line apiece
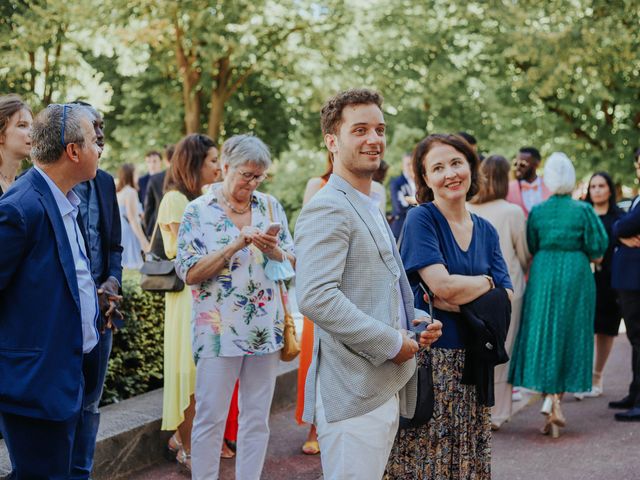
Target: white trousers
point(357, 448)
point(215, 381)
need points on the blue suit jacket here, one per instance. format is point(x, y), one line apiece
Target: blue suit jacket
point(110, 228)
point(40, 324)
point(399, 187)
point(625, 266)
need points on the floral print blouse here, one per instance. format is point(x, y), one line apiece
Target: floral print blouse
point(238, 312)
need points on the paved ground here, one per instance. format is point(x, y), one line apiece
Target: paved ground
point(592, 445)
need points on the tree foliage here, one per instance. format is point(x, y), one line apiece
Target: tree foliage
point(560, 75)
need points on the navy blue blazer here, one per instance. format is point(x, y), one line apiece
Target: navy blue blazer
point(110, 228)
point(40, 324)
point(625, 266)
point(399, 187)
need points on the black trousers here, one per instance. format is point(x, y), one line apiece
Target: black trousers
point(630, 307)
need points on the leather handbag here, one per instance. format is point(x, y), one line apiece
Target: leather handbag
point(291, 347)
point(159, 275)
point(425, 398)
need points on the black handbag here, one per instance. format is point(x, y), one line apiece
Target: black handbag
point(159, 275)
point(425, 398)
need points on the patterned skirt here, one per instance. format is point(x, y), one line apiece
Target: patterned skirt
point(456, 443)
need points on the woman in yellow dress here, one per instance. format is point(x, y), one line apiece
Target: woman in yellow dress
point(194, 164)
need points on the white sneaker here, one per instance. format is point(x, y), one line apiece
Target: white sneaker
point(595, 392)
point(516, 395)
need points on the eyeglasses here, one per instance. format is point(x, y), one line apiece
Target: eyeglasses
point(250, 177)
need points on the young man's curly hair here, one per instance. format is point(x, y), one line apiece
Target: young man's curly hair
point(331, 113)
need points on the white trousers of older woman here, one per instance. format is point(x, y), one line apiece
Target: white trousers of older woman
point(215, 381)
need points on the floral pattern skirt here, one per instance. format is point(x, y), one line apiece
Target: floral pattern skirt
point(456, 443)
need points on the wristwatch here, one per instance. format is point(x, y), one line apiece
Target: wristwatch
point(491, 282)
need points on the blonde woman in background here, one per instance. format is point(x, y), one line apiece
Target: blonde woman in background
point(134, 241)
point(508, 219)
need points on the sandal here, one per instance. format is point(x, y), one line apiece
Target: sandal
point(173, 447)
point(311, 447)
point(226, 451)
point(184, 459)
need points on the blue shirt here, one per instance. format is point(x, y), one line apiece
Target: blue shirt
point(428, 240)
point(90, 216)
point(68, 207)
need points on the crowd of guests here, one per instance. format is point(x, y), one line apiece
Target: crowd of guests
point(464, 230)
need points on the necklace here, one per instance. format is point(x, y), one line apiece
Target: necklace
point(240, 211)
point(6, 180)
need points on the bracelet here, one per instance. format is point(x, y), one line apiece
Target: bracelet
point(492, 285)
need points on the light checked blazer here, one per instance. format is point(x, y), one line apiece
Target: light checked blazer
point(345, 282)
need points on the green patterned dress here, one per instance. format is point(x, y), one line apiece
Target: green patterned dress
point(554, 348)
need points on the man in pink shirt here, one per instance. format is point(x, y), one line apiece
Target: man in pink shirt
point(528, 189)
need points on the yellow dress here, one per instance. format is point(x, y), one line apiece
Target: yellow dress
point(179, 367)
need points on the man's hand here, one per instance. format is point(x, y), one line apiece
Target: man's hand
point(109, 301)
point(431, 334)
point(632, 242)
point(407, 351)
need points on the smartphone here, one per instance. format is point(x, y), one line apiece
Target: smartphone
point(273, 228)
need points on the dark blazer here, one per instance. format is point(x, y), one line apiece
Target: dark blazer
point(143, 183)
point(399, 187)
point(152, 201)
point(625, 266)
point(110, 228)
point(40, 324)
point(488, 318)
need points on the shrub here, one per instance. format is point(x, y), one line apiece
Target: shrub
point(136, 362)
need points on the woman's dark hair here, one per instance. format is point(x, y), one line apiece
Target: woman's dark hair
point(423, 193)
point(126, 176)
point(493, 179)
point(612, 189)
point(381, 173)
point(329, 170)
point(186, 163)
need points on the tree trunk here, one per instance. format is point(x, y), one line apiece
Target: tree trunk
point(190, 79)
point(216, 115)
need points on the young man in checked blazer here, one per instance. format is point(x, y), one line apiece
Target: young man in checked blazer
point(351, 284)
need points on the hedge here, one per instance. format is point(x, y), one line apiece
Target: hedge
point(135, 365)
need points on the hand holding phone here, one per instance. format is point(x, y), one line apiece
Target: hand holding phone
point(273, 229)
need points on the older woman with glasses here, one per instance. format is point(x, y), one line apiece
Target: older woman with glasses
point(229, 239)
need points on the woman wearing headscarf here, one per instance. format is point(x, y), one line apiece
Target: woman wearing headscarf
point(553, 353)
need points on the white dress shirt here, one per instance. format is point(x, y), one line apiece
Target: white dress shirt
point(372, 206)
point(68, 207)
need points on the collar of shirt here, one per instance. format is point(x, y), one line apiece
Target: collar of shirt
point(212, 197)
point(66, 204)
point(372, 203)
point(530, 186)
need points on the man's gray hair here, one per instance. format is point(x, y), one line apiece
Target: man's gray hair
point(241, 149)
point(46, 141)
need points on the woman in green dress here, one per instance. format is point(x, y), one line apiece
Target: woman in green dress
point(553, 353)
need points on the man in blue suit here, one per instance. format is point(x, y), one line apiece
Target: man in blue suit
point(48, 297)
point(625, 276)
point(403, 195)
point(99, 221)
